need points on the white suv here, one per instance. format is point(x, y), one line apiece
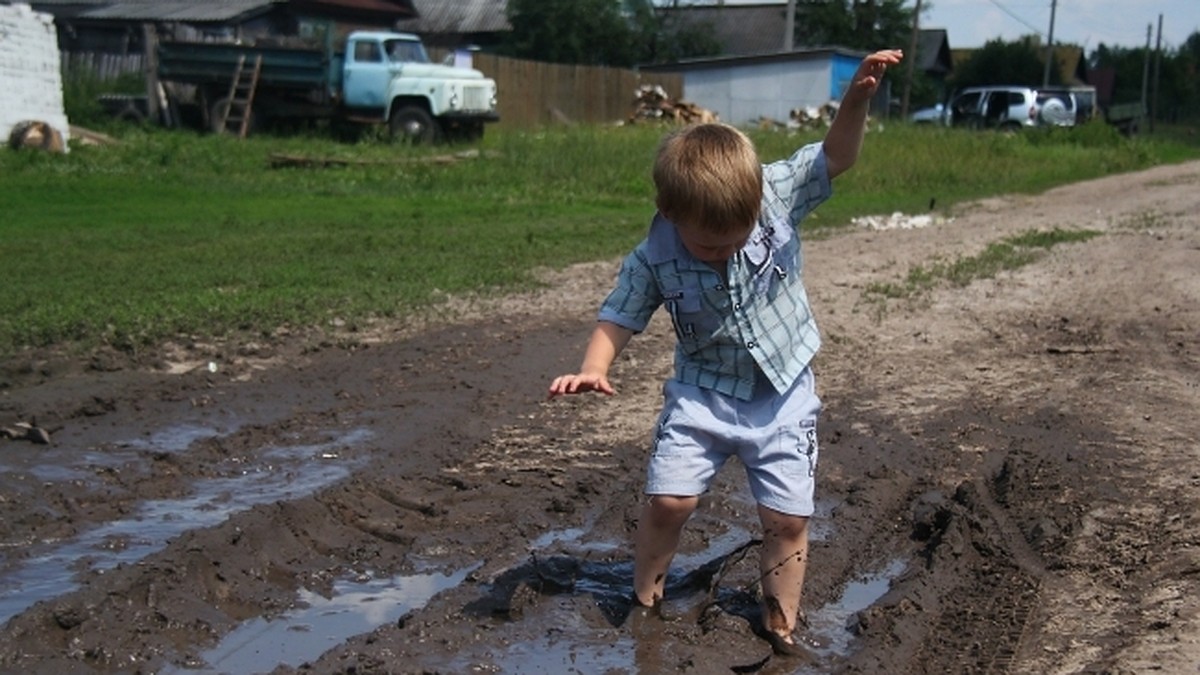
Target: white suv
point(1009, 108)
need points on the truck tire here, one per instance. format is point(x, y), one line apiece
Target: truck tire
point(412, 124)
point(217, 113)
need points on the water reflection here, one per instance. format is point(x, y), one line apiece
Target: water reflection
point(280, 473)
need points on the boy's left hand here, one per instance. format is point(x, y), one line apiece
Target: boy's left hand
point(870, 72)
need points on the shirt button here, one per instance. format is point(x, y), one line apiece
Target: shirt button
point(737, 306)
point(751, 344)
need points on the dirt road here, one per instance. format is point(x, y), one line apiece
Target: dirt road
point(1008, 479)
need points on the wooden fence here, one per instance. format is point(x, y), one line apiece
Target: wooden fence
point(103, 66)
point(531, 94)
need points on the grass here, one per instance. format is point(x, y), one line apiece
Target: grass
point(173, 233)
point(1008, 254)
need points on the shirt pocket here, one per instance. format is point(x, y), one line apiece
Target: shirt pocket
point(697, 315)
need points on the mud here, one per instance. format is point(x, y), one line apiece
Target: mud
point(1008, 479)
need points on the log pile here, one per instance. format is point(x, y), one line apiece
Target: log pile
point(651, 104)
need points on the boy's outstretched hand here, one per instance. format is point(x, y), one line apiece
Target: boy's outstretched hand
point(870, 72)
point(578, 384)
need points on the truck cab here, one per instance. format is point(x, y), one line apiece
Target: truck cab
point(388, 76)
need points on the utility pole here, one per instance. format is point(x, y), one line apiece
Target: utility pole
point(911, 57)
point(1157, 73)
point(1049, 45)
point(789, 28)
point(1146, 71)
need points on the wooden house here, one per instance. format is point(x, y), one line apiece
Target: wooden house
point(117, 26)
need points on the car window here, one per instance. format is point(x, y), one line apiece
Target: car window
point(367, 52)
point(406, 51)
point(967, 103)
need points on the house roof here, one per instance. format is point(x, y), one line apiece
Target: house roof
point(741, 29)
point(177, 10)
point(458, 17)
point(933, 51)
point(752, 59)
point(214, 11)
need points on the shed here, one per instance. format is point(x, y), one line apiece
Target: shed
point(115, 26)
point(457, 23)
point(745, 89)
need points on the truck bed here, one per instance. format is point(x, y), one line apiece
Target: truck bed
point(214, 63)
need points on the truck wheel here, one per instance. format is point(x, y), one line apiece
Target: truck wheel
point(413, 125)
point(217, 113)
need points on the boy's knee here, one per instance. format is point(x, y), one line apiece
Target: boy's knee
point(783, 526)
point(666, 509)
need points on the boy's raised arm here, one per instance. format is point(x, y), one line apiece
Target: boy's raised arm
point(844, 139)
point(608, 339)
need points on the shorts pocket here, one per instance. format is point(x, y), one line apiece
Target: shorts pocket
point(807, 445)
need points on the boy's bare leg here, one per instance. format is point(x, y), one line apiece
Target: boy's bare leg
point(657, 538)
point(784, 561)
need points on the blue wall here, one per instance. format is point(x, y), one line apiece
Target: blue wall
point(843, 71)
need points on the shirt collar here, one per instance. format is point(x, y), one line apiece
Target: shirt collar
point(663, 243)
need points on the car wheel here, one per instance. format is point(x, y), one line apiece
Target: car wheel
point(413, 125)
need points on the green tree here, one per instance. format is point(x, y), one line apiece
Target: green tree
point(1000, 62)
point(858, 24)
point(603, 32)
point(590, 32)
point(1178, 77)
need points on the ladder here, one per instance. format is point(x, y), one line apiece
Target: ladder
point(241, 97)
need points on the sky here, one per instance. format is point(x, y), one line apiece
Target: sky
point(1116, 23)
point(1121, 23)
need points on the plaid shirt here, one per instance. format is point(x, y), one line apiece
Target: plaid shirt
point(756, 324)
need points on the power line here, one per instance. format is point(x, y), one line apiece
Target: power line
point(1016, 18)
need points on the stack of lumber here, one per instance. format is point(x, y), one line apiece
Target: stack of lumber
point(651, 103)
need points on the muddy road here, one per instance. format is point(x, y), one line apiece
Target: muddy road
point(1008, 482)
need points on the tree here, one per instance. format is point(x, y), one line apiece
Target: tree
point(858, 24)
point(569, 31)
point(1000, 62)
point(602, 32)
point(1179, 86)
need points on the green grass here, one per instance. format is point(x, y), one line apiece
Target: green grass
point(173, 233)
point(1008, 254)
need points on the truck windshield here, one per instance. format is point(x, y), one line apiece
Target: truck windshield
point(406, 51)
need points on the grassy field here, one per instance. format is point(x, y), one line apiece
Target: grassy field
point(172, 233)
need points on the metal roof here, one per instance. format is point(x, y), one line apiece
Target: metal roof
point(458, 17)
point(178, 10)
point(209, 11)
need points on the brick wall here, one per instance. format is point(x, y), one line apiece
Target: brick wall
point(30, 78)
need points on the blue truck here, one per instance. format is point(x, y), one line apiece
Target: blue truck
point(374, 77)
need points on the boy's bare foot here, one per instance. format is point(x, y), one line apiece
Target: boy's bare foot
point(786, 645)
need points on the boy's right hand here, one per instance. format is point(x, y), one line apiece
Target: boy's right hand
point(580, 383)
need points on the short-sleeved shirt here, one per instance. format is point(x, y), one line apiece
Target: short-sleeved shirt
point(751, 325)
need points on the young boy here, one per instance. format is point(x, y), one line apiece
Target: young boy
point(723, 256)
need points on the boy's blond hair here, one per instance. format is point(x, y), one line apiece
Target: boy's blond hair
point(709, 176)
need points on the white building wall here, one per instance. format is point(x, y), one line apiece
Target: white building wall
point(743, 94)
point(30, 75)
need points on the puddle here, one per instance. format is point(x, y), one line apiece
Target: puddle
point(68, 463)
point(176, 439)
point(828, 624)
point(610, 583)
point(320, 623)
point(282, 473)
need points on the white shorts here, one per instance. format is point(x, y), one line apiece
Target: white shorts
point(774, 436)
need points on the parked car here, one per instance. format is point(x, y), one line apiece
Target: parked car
point(1010, 108)
point(931, 115)
point(993, 107)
